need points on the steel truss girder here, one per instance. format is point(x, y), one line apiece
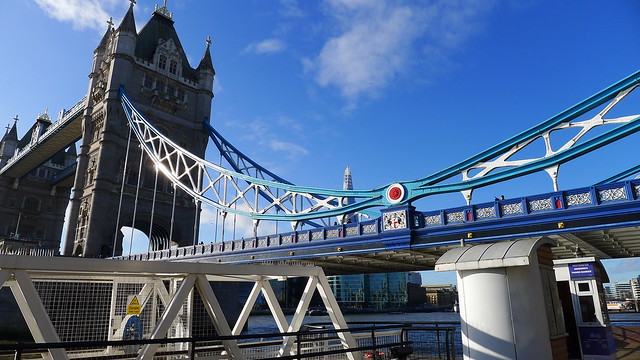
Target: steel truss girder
point(18, 272)
point(199, 177)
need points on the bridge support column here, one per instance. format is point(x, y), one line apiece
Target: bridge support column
point(509, 305)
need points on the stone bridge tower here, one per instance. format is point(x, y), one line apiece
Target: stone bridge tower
point(154, 70)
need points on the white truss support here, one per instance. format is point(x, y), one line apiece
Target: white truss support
point(274, 306)
point(170, 313)
point(114, 325)
point(34, 313)
point(467, 194)
point(298, 316)
point(163, 293)
point(246, 309)
point(553, 172)
point(4, 276)
point(216, 314)
point(145, 294)
point(335, 314)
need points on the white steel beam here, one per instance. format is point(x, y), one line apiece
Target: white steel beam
point(34, 313)
point(298, 316)
point(4, 276)
point(246, 309)
point(274, 306)
point(333, 309)
point(214, 310)
point(168, 316)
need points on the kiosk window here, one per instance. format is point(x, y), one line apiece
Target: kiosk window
point(588, 309)
point(583, 286)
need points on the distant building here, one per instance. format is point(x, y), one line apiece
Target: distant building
point(349, 290)
point(635, 288)
point(441, 295)
point(415, 278)
point(371, 291)
point(621, 290)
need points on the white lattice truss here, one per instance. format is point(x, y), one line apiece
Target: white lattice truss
point(231, 191)
point(164, 289)
point(585, 126)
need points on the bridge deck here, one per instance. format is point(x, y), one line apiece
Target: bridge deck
point(599, 221)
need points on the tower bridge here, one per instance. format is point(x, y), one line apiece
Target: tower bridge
point(144, 127)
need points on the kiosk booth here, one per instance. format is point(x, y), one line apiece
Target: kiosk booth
point(509, 304)
point(585, 308)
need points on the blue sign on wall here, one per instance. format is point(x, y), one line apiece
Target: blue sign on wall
point(581, 270)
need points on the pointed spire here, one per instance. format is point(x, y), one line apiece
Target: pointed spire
point(11, 134)
point(105, 38)
point(348, 183)
point(206, 63)
point(128, 22)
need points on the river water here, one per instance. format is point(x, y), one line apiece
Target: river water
point(266, 324)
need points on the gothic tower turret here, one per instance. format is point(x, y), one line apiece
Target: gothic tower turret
point(153, 69)
point(9, 143)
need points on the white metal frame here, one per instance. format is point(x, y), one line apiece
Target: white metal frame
point(19, 272)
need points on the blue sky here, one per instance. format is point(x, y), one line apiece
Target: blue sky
point(396, 90)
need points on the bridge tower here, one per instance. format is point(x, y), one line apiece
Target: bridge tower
point(32, 207)
point(152, 67)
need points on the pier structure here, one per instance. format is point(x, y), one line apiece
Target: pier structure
point(133, 300)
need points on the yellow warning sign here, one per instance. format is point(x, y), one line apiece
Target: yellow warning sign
point(134, 307)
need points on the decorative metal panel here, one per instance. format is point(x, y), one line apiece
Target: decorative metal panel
point(432, 220)
point(369, 228)
point(488, 212)
point(455, 217)
point(287, 239)
point(332, 233)
point(541, 204)
point(395, 220)
point(352, 231)
point(612, 194)
point(511, 209)
point(303, 236)
point(262, 242)
point(579, 199)
point(317, 235)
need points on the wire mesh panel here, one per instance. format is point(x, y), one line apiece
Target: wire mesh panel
point(78, 309)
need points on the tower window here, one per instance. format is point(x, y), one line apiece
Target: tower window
point(171, 89)
point(173, 65)
point(148, 82)
point(162, 62)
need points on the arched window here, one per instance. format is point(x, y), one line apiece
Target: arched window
point(173, 65)
point(162, 62)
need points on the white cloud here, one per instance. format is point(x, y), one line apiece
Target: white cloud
point(291, 9)
point(269, 134)
point(83, 14)
point(378, 41)
point(293, 151)
point(268, 46)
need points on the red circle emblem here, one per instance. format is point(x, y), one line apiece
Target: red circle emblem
point(395, 193)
